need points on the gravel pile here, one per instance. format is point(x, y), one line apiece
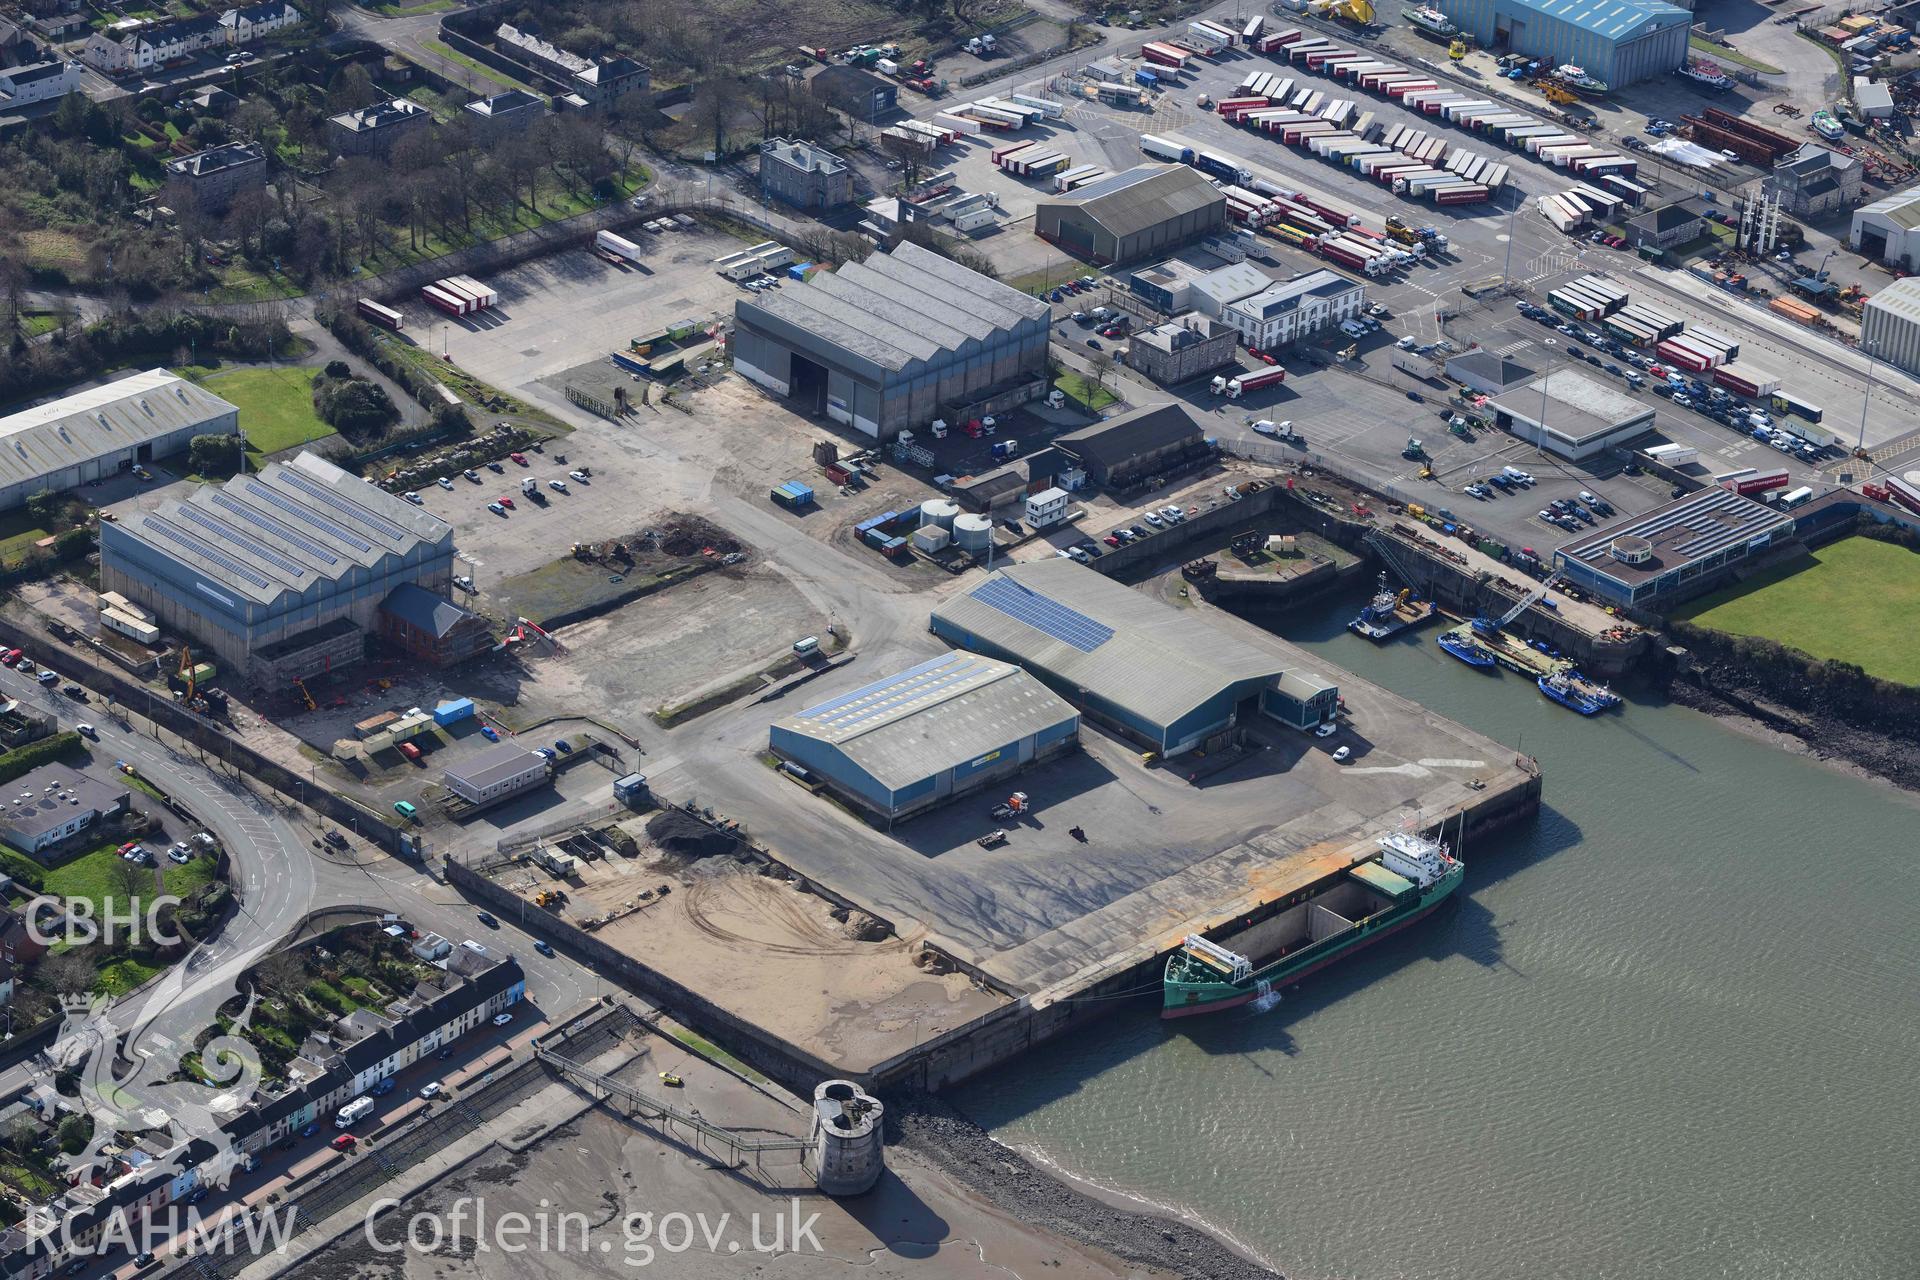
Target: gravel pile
point(679, 834)
point(932, 1129)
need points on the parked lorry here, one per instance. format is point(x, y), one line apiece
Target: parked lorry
point(1240, 384)
point(1166, 149)
point(1757, 482)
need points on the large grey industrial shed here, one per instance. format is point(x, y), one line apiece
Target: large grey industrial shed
point(1142, 212)
point(1152, 672)
point(1621, 42)
point(105, 430)
point(950, 725)
point(279, 573)
point(894, 342)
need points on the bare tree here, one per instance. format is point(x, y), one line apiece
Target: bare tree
point(282, 973)
point(65, 972)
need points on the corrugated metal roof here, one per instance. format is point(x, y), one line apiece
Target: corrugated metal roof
point(1155, 661)
point(1143, 197)
point(1696, 527)
point(898, 308)
point(1897, 301)
point(283, 529)
point(100, 421)
point(1610, 19)
point(1901, 210)
point(944, 712)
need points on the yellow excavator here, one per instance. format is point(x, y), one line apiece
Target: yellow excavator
point(1556, 93)
point(1458, 49)
point(305, 697)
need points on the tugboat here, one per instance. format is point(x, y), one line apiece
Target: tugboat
point(1827, 127)
point(1577, 79)
point(1388, 614)
point(1408, 878)
point(1430, 22)
point(1467, 649)
point(1569, 690)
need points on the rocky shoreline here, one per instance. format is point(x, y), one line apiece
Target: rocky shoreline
point(1014, 1184)
point(1725, 691)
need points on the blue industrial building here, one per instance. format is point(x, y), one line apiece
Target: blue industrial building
point(932, 732)
point(1151, 672)
point(1619, 41)
point(278, 574)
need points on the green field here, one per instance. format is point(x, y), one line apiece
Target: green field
point(1854, 601)
point(276, 405)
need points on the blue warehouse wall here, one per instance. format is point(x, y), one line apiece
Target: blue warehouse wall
point(832, 765)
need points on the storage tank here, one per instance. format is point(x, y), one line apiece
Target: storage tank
point(939, 511)
point(972, 533)
point(930, 538)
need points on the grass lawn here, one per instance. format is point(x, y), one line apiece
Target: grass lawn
point(275, 403)
point(1095, 398)
point(1722, 53)
point(124, 975)
point(35, 323)
point(18, 533)
point(94, 876)
point(448, 52)
point(1854, 601)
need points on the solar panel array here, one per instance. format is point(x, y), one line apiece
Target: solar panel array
point(212, 554)
point(1705, 525)
point(352, 510)
point(253, 546)
point(298, 512)
point(1043, 613)
point(274, 527)
point(917, 686)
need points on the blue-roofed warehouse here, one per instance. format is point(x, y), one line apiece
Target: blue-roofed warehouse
point(1155, 674)
point(950, 725)
point(1619, 41)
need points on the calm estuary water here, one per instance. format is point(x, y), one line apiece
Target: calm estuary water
point(1671, 1032)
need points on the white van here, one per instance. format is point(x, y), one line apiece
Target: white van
point(806, 646)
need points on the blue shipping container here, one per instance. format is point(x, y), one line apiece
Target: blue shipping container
point(453, 712)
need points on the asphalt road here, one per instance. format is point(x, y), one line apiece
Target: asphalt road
point(278, 878)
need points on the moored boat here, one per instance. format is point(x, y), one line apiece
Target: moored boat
point(1430, 22)
point(1407, 879)
point(1576, 693)
point(1467, 650)
point(1388, 614)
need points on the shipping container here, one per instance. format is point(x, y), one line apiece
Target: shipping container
point(1673, 455)
point(1674, 352)
point(1905, 494)
point(385, 317)
point(1046, 106)
point(1460, 193)
point(1746, 380)
point(619, 246)
point(447, 302)
point(1166, 55)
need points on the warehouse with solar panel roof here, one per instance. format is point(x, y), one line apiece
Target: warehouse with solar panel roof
point(282, 573)
point(934, 731)
point(1155, 674)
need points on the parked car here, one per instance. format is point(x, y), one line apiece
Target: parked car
point(486, 918)
point(472, 475)
point(502, 1019)
point(558, 486)
point(506, 502)
point(496, 508)
point(519, 458)
point(444, 483)
point(490, 733)
point(496, 468)
point(431, 1089)
point(345, 1142)
point(405, 809)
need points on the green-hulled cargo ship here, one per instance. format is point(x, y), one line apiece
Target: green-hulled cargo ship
point(1409, 878)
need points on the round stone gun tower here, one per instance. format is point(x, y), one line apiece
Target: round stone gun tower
point(849, 1147)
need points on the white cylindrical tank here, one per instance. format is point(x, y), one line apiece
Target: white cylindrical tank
point(940, 511)
point(972, 533)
